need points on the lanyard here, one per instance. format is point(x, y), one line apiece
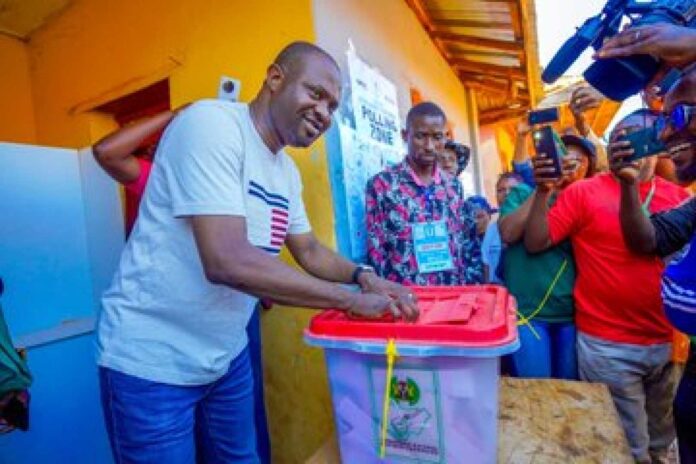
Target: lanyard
point(648, 199)
point(428, 194)
point(430, 199)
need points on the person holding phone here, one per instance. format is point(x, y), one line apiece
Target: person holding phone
point(543, 283)
point(670, 233)
point(624, 338)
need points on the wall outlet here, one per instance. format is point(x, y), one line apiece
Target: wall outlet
point(229, 88)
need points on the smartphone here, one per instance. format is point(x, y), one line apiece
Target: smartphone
point(549, 146)
point(544, 116)
point(645, 142)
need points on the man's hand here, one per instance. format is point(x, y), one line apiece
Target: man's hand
point(675, 45)
point(374, 306)
point(404, 299)
point(545, 175)
point(583, 99)
point(619, 152)
point(523, 127)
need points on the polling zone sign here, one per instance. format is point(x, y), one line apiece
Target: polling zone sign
point(374, 103)
point(360, 145)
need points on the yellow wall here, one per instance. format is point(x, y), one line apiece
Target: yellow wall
point(16, 110)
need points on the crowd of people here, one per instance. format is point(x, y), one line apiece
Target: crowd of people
point(592, 255)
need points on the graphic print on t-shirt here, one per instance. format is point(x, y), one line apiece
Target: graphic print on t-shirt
point(276, 207)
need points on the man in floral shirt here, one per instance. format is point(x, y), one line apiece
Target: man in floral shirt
point(420, 229)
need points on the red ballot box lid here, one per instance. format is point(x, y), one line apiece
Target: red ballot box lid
point(466, 316)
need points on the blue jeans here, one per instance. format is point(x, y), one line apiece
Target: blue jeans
point(263, 440)
point(685, 412)
point(152, 423)
point(552, 355)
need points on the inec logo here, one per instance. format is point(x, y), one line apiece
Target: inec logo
point(404, 391)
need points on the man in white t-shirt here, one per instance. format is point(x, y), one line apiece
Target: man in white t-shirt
point(219, 205)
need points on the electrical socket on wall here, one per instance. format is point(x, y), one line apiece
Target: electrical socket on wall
point(229, 88)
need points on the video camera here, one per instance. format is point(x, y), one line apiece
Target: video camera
point(547, 143)
point(619, 78)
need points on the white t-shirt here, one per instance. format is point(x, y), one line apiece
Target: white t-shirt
point(162, 320)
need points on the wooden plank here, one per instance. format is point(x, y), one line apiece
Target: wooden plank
point(546, 422)
point(516, 17)
point(487, 68)
point(472, 23)
point(497, 115)
point(527, 13)
point(554, 421)
point(425, 21)
point(467, 52)
point(464, 39)
point(491, 86)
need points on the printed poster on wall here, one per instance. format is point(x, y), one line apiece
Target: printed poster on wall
point(375, 106)
point(367, 147)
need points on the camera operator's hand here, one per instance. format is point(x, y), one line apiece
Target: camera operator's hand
point(619, 152)
point(675, 45)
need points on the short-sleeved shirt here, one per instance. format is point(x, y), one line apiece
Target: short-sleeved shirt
point(162, 320)
point(530, 276)
point(491, 249)
point(675, 235)
point(617, 292)
point(395, 200)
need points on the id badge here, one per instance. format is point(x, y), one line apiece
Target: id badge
point(431, 246)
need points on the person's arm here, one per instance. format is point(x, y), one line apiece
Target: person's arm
point(204, 170)
point(675, 45)
point(375, 220)
point(582, 100)
point(547, 227)
point(674, 228)
point(637, 231)
point(521, 161)
point(114, 153)
point(512, 225)
point(486, 244)
point(229, 259)
point(325, 264)
point(472, 245)
point(537, 237)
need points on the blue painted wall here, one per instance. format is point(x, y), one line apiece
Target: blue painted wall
point(61, 234)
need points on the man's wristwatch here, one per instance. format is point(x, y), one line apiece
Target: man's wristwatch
point(359, 269)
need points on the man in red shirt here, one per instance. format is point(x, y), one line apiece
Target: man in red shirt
point(623, 335)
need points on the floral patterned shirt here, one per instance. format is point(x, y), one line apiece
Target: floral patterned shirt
point(395, 200)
